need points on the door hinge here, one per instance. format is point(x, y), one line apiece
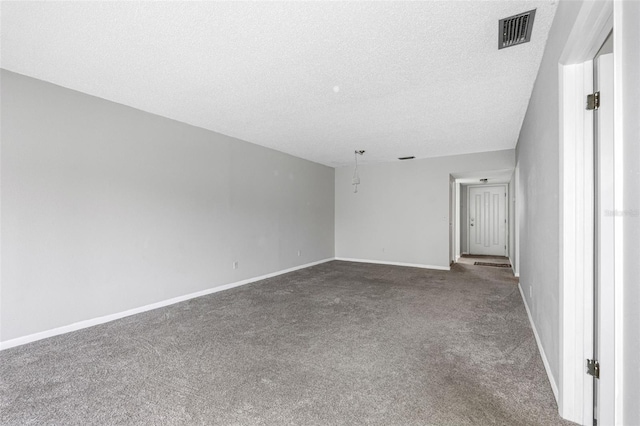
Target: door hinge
point(593, 101)
point(593, 368)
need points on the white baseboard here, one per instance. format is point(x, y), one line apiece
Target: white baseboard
point(545, 361)
point(112, 317)
point(513, 268)
point(380, 262)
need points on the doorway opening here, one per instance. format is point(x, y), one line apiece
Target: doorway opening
point(483, 217)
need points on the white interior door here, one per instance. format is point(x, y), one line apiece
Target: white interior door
point(487, 220)
point(604, 241)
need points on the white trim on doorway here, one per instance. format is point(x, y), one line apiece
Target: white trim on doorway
point(516, 220)
point(575, 397)
point(576, 244)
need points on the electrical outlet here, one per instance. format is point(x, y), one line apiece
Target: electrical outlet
point(235, 264)
point(299, 253)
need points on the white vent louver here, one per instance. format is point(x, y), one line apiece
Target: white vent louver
point(515, 29)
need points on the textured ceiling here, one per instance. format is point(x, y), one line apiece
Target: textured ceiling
point(313, 79)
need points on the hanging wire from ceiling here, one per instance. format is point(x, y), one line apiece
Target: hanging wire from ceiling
point(355, 181)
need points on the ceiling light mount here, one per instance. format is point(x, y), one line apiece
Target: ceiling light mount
point(355, 181)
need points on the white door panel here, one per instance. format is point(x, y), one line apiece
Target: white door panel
point(604, 242)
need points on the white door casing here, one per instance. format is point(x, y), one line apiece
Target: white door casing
point(452, 216)
point(576, 191)
point(487, 220)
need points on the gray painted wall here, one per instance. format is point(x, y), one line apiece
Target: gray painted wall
point(107, 208)
point(537, 155)
point(401, 210)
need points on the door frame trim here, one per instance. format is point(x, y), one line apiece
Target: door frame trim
point(575, 72)
point(506, 215)
point(453, 205)
point(575, 399)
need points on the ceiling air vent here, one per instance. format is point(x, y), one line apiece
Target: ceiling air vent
point(515, 29)
point(406, 158)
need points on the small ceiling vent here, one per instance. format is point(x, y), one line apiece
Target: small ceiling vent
point(515, 29)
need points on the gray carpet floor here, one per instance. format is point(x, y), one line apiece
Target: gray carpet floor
point(336, 344)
